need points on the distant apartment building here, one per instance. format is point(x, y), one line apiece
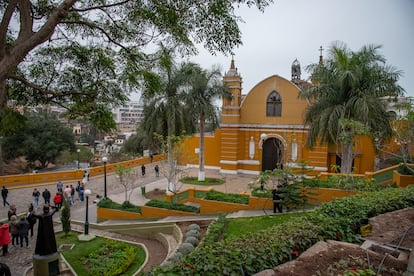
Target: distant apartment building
point(128, 116)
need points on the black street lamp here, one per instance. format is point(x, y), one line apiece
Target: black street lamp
point(105, 159)
point(87, 193)
point(78, 150)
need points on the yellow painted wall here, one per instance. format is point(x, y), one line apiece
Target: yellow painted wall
point(253, 108)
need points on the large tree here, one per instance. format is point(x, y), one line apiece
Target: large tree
point(87, 55)
point(347, 98)
point(205, 87)
point(42, 138)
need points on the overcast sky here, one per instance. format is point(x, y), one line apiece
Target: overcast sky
point(290, 29)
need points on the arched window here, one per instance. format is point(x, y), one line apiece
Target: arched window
point(274, 105)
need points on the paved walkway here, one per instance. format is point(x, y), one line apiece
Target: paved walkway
point(21, 258)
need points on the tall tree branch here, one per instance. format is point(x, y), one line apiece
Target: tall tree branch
point(5, 21)
point(26, 20)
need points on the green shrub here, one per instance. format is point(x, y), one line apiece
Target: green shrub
point(207, 181)
point(193, 240)
point(126, 206)
point(194, 226)
point(233, 198)
point(112, 259)
point(192, 233)
point(172, 206)
point(185, 248)
point(175, 257)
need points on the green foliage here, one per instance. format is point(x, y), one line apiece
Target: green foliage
point(233, 198)
point(405, 169)
point(82, 249)
point(360, 272)
point(207, 182)
point(113, 258)
point(108, 203)
point(185, 248)
point(348, 97)
point(172, 206)
point(65, 216)
point(43, 138)
point(194, 226)
point(344, 182)
point(193, 240)
point(10, 121)
point(216, 230)
point(259, 250)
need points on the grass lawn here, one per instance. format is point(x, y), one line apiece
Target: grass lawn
point(237, 227)
point(88, 255)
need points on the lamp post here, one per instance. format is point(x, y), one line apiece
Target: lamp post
point(87, 193)
point(78, 150)
point(104, 159)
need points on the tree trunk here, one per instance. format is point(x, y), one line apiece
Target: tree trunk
point(201, 175)
point(347, 157)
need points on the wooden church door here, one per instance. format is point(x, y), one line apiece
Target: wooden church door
point(272, 154)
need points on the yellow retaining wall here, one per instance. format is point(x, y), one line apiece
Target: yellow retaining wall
point(74, 175)
point(402, 180)
point(147, 212)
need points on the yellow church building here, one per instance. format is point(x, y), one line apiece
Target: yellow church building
point(264, 129)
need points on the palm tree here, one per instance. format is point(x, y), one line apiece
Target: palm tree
point(164, 110)
point(205, 88)
point(347, 99)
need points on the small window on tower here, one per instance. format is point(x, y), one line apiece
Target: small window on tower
point(274, 105)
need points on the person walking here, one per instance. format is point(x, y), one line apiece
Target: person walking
point(24, 227)
point(14, 230)
point(57, 200)
point(59, 186)
point(143, 169)
point(67, 192)
point(36, 195)
point(4, 193)
point(157, 170)
point(5, 238)
point(11, 212)
point(31, 219)
point(46, 196)
point(72, 195)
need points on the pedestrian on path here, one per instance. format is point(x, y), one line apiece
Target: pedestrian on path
point(72, 195)
point(4, 193)
point(46, 196)
point(143, 169)
point(59, 186)
point(4, 238)
point(11, 212)
point(36, 195)
point(14, 230)
point(24, 227)
point(67, 192)
point(31, 219)
point(57, 200)
point(157, 170)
